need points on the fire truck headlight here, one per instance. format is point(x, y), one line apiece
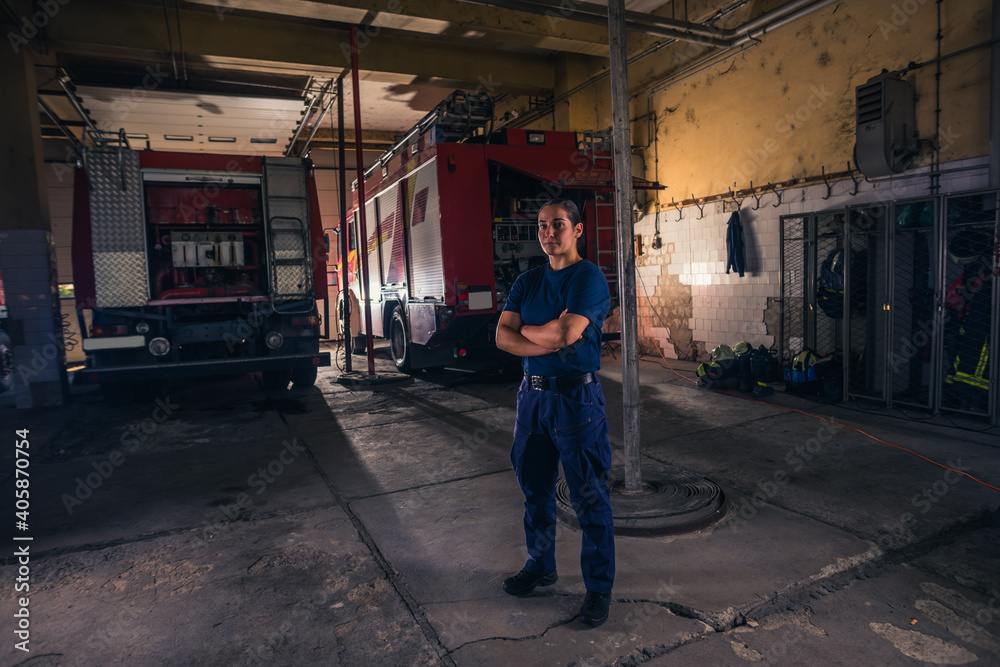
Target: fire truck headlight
point(274, 340)
point(159, 347)
point(142, 327)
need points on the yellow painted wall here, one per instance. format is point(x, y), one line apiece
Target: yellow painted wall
point(780, 110)
point(785, 108)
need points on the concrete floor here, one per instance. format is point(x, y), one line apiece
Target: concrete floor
point(235, 526)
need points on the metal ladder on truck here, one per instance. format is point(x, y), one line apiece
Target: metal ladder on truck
point(606, 256)
point(286, 210)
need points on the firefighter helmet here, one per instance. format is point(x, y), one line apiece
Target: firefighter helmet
point(723, 356)
point(969, 245)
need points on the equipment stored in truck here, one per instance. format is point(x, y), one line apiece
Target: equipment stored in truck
point(194, 264)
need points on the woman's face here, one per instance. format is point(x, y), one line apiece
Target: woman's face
point(556, 232)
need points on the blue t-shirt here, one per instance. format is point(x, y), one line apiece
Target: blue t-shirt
point(541, 295)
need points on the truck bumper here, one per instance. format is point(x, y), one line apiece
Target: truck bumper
point(206, 367)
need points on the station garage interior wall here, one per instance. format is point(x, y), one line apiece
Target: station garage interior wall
point(690, 304)
point(781, 112)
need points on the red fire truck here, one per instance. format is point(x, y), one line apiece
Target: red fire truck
point(196, 264)
point(450, 216)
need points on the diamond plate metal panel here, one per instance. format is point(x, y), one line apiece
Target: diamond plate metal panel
point(292, 282)
point(117, 277)
point(286, 177)
point(117, 228)
point(289, 242)
point(292, 270)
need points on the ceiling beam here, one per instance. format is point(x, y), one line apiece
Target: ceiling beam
point(95, 26)
point(379, 138)
point(371, 140)
point(445, 18)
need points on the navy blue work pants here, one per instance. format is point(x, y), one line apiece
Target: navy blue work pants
point(570, 427)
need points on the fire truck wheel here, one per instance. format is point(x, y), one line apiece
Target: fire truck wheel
point(304, 377)
point(358, 344)
point(399, 341)
point(276, 380)
point(6, 363)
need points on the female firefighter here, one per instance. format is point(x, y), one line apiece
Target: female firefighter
point(553, 319)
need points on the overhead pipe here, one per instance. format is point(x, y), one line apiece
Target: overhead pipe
point(597, 14)
point(656, 26)
point(655, 48)
point(180, 41)
point(170, 39)
point(767, 22)
point(778, 18)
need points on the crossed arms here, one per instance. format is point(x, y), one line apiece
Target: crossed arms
point(527, 340)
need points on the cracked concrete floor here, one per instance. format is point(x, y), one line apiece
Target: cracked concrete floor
point(328, 526)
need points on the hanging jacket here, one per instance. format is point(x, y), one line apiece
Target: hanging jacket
point(736, 253)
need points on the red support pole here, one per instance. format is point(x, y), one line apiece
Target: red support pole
point(363, 241)
point(345, 244)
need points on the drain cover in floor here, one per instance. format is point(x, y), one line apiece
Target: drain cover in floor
point(672, 501)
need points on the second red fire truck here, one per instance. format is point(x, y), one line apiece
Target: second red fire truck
point(450, 214)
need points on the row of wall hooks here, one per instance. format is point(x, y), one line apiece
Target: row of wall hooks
point(829, 185)
point(758, 193)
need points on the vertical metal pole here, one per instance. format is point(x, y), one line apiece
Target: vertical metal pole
point(995, 183)
point(345, 238)
point(995, 99)
point(626, 253)
point(362, 242)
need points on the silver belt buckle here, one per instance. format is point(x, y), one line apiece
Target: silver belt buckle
point(537, 382)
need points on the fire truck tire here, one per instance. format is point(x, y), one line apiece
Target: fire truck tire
point(399, 341)
point(275, 380)
point(6, 363)
point(304, 377)
point(359, 344)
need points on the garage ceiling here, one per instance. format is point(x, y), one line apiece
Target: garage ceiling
point(230, 75)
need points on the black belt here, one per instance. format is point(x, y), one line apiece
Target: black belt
point(542, 383)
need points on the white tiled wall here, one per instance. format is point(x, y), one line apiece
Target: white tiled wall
point(727, 308)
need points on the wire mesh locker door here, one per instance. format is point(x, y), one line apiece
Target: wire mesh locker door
point(812, 305)
point(865, 316)
point(970, 305)
point(794, 304)
point(824, 330)
point(912, 304)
